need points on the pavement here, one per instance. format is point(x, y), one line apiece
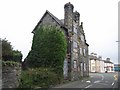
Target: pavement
point(96, 80)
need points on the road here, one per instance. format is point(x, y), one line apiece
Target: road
point(96, 80)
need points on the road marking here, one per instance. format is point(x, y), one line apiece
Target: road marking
point(115, 77)
point(96, 81)
point(112, 83)
point(88, 86)
point(88, 81)
point(102, 77)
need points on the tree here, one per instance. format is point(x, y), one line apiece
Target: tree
point(8, 54)
point(48, 48)
point(17, 56)
point(6, 50)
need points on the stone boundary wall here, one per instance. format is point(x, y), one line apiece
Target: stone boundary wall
point(10, 76)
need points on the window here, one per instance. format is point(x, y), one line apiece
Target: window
point(81, 51)
point(112, 69)
point(84, 51)
point(107, 69)
point(93, 68)
point(74, 46)
point(84, 67)
point(81, 64)
point(82, 38)
point(65, 68)
point(75, 55)
point(75, 30)
point(75, 64)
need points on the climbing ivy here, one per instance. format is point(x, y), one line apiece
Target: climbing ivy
point(49, 48)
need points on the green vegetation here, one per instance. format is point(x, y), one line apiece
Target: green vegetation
point(10, 63)
point(8, 54)
point(48, 49)
point(45, 60)
point(6, 50)
point(38, 78)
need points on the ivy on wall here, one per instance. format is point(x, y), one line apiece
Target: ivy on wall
point(48, 49)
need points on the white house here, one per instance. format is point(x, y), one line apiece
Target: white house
point(109, 66)
point(96, 64)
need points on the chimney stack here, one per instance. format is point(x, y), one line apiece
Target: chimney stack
point(68, 16)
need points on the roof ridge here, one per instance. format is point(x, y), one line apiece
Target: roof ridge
point(56, 19)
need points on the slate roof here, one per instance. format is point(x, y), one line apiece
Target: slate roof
point(92, 57)
point(55, 18)
point(107, 61)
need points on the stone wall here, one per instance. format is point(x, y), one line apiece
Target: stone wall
point(10, 76)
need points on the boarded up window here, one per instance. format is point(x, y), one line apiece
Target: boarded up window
point(81, 64)
point(81, 52)
point(84, 67)
point(75, 64)
point(75, 46)
point(82, 38)
point(84, 51)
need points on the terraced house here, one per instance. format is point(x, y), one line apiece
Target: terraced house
point(76, 62)
point(96, 64)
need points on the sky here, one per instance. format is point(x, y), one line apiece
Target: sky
point(100, 22)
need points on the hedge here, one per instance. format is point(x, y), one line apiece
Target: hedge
point(38, 78)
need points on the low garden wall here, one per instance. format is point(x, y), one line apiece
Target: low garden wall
point(10, 74)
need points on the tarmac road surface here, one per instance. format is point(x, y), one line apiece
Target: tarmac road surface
point(96, 80)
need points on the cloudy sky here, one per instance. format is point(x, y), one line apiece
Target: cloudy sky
point(100, 21)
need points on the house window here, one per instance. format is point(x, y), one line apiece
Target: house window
point(84, 51)
point(75, 55)
point(75, 64)
point(75, 30)
point(112, 69)
point(107, 69)
point(93, 68)
point(82, 38)
point(75, 46)
point(84, 67)
point(65, 68)
point(81, 51)
point(81, 64)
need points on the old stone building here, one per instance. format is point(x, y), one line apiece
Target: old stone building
point(76, 64)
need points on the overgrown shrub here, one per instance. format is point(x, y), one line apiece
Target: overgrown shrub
point(48, 49)
point(10, 63)
point(38, 78)
point(8, 54)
